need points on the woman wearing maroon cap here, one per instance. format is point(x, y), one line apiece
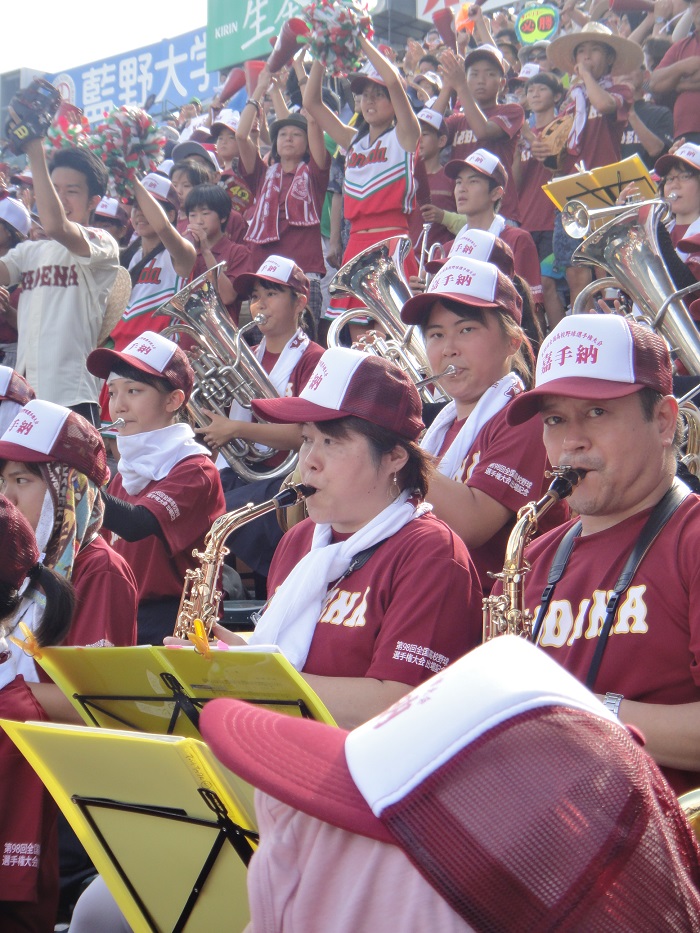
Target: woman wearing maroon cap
point(372, 594)
point(52, 465)
point(471, 320)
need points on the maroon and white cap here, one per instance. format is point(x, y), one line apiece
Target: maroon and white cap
point(369, 73)
point(481, 160)
point(688, 153)
point(432, 118)
point(501, 762)
point(470, 282)
point(113, 209)
point(190, 148)
point(14, 213)
point(20, 552)
point(14, 388)
point(43, 432)
point(526, 72)
point(276, 269)
point(347, 382)
point(596, 356)
point(151, 353)
point(488, 52)
point(162, 189)
point(22, 178)
point(227, 120)
point(478, 244)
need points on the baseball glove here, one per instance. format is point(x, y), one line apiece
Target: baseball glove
point(31, 113)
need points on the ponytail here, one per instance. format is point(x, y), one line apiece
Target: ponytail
point(60, 603)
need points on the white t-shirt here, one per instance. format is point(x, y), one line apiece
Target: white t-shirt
point(60, 313)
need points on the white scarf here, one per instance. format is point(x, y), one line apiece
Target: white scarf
point(495, 398)
point(152, 455)
point(496, 228)
point(692, 230)
point(579, 99)
point(279, 377)
point(290, 619)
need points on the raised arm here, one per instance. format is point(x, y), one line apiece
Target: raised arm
point(51, 213)
point(407, 125)
point(317, 110)
point(455, 76)
point(182, 252)
point(247, 149)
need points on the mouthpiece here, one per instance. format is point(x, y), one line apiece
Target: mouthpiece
point(450, 371)
point(672, 196)
point(119, 423)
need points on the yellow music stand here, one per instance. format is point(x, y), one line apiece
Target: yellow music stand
point(601, 186)
point(170, 829)
point(162, 689)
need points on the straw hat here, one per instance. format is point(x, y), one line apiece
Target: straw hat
point(628, 55)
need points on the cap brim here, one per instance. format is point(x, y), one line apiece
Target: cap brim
point(358, 82)
point(10, 451)
point(667, 162)
point(101, 363)
point(297, 761)
point(243, 284)
point(482, 54)
point(527, 404)
point(415, 308)
point(455, 166)
point(294, 410)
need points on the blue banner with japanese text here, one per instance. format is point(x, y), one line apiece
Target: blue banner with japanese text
point(173, 70)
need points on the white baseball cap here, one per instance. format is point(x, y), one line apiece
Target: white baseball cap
point(481, 160)
point(15, 214)
point(688, 153)
point(432, 118)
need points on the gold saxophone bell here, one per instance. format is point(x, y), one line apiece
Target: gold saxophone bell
point(506, 614)
point(226, 370)
point(376, 277)
point(201, 599)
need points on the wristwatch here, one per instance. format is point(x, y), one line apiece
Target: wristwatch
point(612, 702)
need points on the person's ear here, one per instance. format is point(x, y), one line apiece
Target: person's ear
point(175, 400)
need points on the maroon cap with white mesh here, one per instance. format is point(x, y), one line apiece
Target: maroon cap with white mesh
point(151, 353)
point(277, 269)
point(14, 388)
point(44, 432)
point(515, 793)
point(482, 161)
point(470, 282)
point(596, 356)
point(347, 382)
point(478, 244)
point(19, 548)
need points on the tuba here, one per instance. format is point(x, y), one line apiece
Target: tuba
point(627, 248)
point(200, 598)
point(506, 614)
point(377, 279)
point(226, 369)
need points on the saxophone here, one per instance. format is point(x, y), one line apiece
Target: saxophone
point(200, 597)
point(506, 614)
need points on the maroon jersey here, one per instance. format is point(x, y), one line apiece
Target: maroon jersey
point(508, 464)
point(536, 210)
point(186, 503)
point(302, 244)
point(526, 261)
point(28, 833)
point(105, 588)
point(653, 652)
point(687, 104)
point(510, 118)
point(599, 143)
point(413, 608)
point(237, 259)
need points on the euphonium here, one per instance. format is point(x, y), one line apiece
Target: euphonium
point(627, 248)
point(226, 369)
point(376, 277)
point(506, 614)
point(200, 597)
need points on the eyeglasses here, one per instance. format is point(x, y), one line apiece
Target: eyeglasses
point(678, 176)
